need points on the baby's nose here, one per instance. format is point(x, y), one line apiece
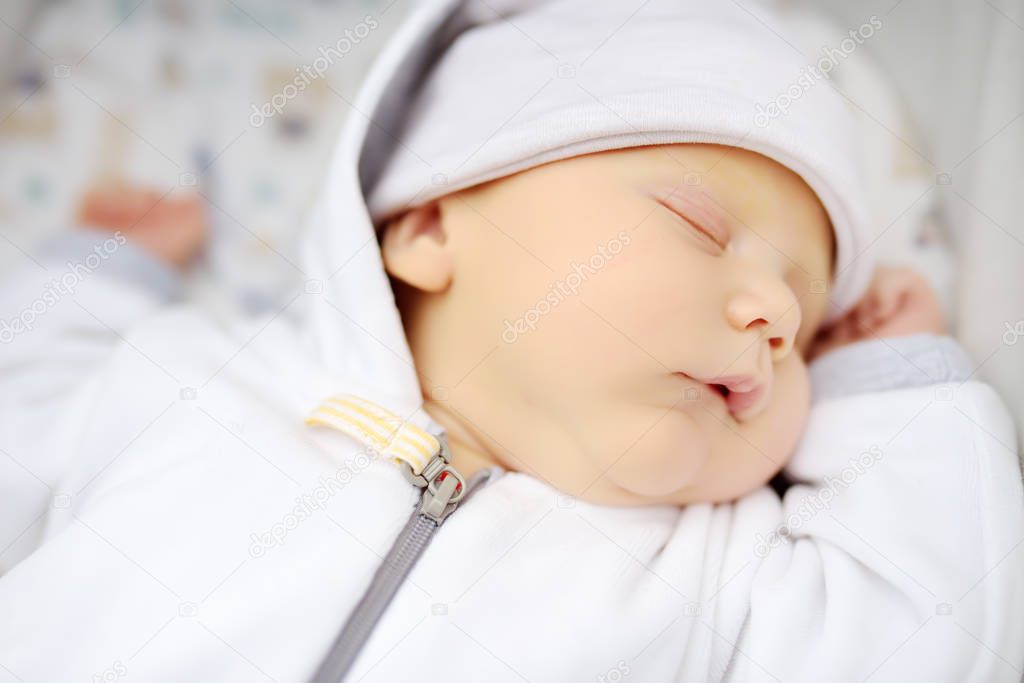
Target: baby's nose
point(774, 315)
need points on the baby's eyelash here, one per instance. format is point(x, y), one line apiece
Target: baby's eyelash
point(721, 242)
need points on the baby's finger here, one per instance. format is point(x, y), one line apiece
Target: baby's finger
point(890, 291)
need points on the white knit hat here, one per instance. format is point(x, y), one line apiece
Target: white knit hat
point(544, 81)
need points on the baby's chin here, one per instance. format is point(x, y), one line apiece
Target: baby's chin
point(693, 456)
point(712, 480)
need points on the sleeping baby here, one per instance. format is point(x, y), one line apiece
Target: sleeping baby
point(591, 376)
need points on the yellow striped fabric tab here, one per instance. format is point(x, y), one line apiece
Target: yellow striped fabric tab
point(378, 428)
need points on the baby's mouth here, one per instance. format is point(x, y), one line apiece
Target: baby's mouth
point(742, 394)
point(744, 404)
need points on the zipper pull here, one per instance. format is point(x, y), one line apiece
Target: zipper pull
point(443, 486)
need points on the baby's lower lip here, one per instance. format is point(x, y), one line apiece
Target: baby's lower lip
point(740, 402)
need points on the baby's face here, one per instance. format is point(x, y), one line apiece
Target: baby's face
point(591, 306)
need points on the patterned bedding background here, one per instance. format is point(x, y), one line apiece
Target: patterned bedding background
point(152, 92)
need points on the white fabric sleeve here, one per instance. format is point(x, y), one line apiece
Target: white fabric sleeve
point(899, 553)
point(62, 313)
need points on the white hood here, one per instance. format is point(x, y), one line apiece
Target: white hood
point(353, 329)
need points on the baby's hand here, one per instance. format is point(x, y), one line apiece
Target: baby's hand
point(173, 230)
point(898, 302)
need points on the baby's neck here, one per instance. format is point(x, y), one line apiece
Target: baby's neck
point(468, 455)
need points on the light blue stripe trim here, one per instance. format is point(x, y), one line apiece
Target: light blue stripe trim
point(894, 363)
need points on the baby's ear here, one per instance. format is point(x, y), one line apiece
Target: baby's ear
point(416, 250)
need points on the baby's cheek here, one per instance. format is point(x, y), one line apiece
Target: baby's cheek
point(748, 456)
point(671, 449)
point(776, 431)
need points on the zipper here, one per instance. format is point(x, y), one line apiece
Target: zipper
point(443, 489)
